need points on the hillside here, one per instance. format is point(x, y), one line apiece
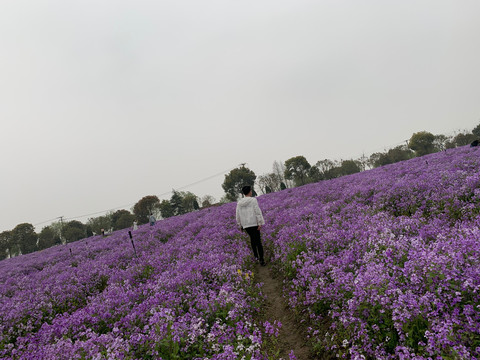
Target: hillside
point(380, 264)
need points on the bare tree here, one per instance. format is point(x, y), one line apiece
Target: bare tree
point(269, 183)
point(279, 171)
point(207, 200)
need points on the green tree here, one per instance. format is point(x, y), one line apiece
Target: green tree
point(144, 207)
point(328, 169)
point(176, 201)
point(463, 139)
point(399, 153)
point(189, 201)
point(476, 131)
point(349, 167)
point(296, 169)
point(48, 237)
point(314, 174)
point(377, 159)
point(166, 209)
point(24, 236)
point(224, 200)
point(57, 227)
point(207, 201)
point(95, 225)
point(235, 180)
point(450, 144)
point(73, 231)
point(122, 219)
point(5, 244)
point(422, 143)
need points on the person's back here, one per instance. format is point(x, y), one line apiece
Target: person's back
point(249, 213)
point(152, 220)
point(249, 217)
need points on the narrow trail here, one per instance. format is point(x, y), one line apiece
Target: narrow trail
point(292, 335)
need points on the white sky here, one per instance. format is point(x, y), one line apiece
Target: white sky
point(104, 102)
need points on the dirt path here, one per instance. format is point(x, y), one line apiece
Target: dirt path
point(292, 335)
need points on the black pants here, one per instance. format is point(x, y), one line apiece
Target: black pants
point(256, 242)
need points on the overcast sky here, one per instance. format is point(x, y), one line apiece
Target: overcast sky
point(104, 102)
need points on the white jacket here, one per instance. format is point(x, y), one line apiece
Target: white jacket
point(248, 213)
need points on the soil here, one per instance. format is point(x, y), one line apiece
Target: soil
point(292, 334)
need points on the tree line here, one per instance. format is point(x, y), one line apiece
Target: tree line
point(296, 171)
point(23, 239)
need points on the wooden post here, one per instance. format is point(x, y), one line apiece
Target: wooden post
point(133, 244)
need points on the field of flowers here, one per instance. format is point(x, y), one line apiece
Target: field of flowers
point(383, 264)
point(190, 294)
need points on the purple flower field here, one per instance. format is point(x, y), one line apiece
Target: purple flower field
point(383, 264)
point(189, 295)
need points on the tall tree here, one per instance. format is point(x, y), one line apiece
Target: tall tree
point(24, 236)
point(296, 169)
point(377, 159)
point(401, 153)
point(122, 219)
point(394, 155)
point(279, 171)
point(207, 200)
point(269, 182)
point(314, 174)
point(166, 209)
point(327, 169)
point(5, 244)
point(48, 238)
point(95, 225)
point(73, 231)
point(57, 227)
point(463, 139)
point(349, 167)
point(189, 201)
point(176, 202)
point(440, 142)
point(144, 207)
point(235, 180)
point(476, 131)
point(422, 143)
point(363, 161)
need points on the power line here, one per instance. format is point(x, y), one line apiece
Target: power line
point(208, 178)
point(452, 133)
point(131, 204)
point(44, 222)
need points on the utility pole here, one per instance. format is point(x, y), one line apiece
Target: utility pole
point(61, 227)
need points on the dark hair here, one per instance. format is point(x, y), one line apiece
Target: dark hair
point(246, 189)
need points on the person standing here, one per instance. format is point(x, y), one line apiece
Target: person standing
point(249, 218)
point(152, 220)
